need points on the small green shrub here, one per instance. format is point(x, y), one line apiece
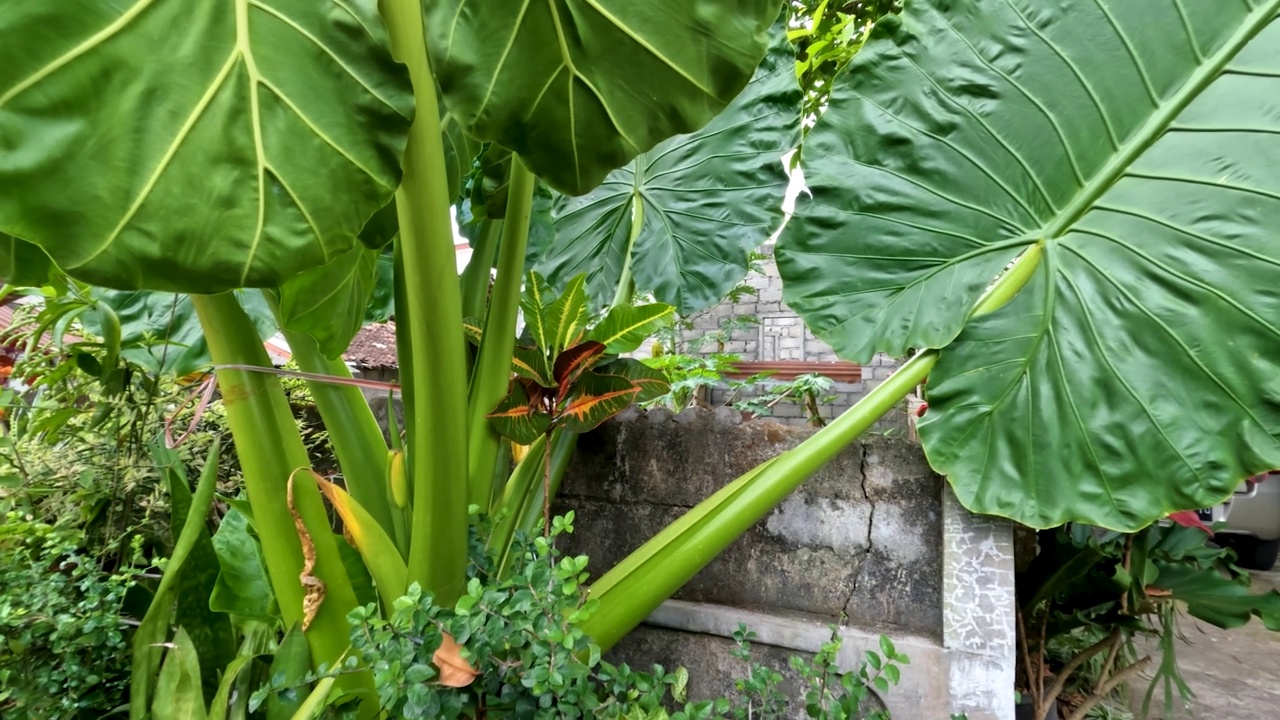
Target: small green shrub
point(521, 633)
point(64, 651)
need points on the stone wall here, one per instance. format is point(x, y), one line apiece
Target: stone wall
point(872, 543)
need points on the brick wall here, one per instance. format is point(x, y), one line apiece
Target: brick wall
point(781, 335)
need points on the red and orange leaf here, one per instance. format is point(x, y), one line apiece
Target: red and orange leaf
point(571, 363)
point(653, 382)
point(518, 417)
point(540, 397)
point(596, 399)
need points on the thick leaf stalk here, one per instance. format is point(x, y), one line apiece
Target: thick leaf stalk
point(438, 441)
point(357, 440)
point(475, 278)
point(521, 504)
point(493, 368)
point(270, 449)
point(627, 282)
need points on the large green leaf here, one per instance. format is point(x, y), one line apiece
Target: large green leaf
point(1138, 372)
point(243, 588)
point(289, 668)
point(151, 633)
point(160, 331)
point(164, 145)
point(178, 693)
point(459, 152)
point(210, 630)
point(22, 263)
point(491, 182)
point(330, 302)
point(578, 88)
point(1217, 599)
point(382, 304)
point(705, 201)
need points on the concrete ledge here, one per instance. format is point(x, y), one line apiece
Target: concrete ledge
point(920, 694)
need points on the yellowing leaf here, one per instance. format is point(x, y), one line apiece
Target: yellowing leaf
point(376, 548)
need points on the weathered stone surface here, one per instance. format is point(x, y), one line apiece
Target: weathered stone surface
point(380, 405)
point(861, 537)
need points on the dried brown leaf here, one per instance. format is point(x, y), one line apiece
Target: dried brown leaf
point(455, 671)
point(312, 586)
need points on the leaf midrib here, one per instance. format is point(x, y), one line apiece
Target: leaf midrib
point(1162, 119)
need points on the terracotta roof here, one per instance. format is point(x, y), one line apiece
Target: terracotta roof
point(374, 347)
point(843, 372)
point(8, 307)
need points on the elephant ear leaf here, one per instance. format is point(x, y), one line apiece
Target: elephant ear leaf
point(330, 302)
point(1135, 144)
point(197, 148)
point(688, 212)
point(160, 331)
point(578, 89)
point(22, 263)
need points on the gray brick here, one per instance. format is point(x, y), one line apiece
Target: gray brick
point(788, 410)
point(882, 372)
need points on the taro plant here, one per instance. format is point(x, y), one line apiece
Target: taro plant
point(1068, 213)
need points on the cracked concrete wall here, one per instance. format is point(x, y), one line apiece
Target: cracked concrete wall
point(861, 538)
point(873, 543)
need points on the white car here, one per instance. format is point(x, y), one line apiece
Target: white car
point(1252, 518)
